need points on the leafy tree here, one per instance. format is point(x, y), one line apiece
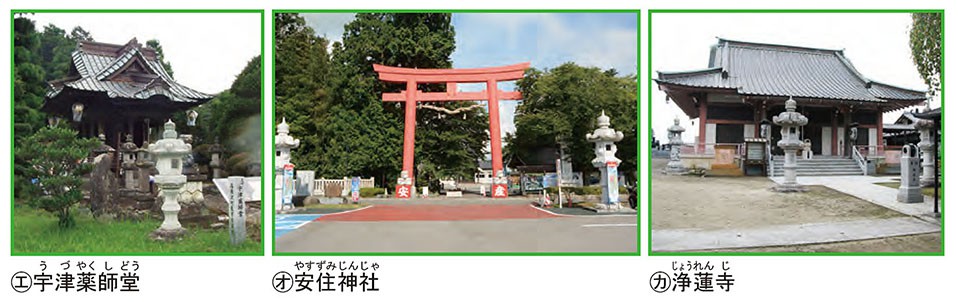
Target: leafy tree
point(365, 134)
point(234, 115)
point(80, 34)
point(155, 44)
point(560, 107)
point(925, 40)
point(57, 164)
point(302, 79)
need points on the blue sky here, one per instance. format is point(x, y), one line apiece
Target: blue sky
point(603, 40)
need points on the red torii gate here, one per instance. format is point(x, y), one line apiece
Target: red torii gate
point(413, 77)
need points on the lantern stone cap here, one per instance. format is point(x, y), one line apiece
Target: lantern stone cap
point(169, 129)
point(604, 133)
point(790, 118)
point(675, 127)
point(128, 146)
point(283, 139)
point(170, 144)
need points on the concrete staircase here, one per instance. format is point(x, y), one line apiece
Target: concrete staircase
point(820, 166)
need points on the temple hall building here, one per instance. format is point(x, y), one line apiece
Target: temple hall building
point(745, 84)
point(115, 90)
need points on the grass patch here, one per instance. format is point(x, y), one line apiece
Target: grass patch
point(36, 232)
point(929, 191)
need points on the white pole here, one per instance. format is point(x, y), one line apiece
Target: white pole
point(559, 180)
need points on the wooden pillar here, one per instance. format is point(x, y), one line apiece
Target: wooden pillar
point(881, 130)
point(703, 112)
point(834, 150)
point(848, 143)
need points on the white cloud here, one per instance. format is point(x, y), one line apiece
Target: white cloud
point(207, 50)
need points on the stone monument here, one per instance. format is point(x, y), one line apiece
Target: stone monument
point(910, 190)
point(790, 121)
point(675, 166)
point(604, 139)
point(169, 153)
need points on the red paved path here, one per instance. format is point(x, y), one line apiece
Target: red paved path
point(439, 212)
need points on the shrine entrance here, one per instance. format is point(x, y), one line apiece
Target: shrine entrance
point(451, 77)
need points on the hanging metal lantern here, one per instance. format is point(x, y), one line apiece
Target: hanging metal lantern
point(191, 118)
point(77, 112)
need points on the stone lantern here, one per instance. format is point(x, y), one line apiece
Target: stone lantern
point(604, 139)
point(925, 128)
point(284, 185)
point(284, 143)
point(169, 153)
point(790, 121)
point(103, 148)
point(675, 145)
point(216, 159)
point(128, 157)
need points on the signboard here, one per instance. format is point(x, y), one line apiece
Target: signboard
point(288, 186)
point(403, 191)
point(237, 191)
point(500, 190)
point(613, 181)
point(755, 151)
point(354, 188)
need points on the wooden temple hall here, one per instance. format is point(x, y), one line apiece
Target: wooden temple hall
point(118, 90)
point(746, 84)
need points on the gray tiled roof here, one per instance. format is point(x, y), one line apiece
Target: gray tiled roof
point(97, 62)
point(786, 71)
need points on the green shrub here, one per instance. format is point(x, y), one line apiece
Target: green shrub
point(54, 162)
point(370, 192)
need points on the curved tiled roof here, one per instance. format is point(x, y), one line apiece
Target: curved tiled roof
point(97, 63)
point(786, 71)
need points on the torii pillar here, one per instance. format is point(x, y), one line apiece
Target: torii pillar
point(451, 77)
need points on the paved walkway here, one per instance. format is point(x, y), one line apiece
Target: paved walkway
point(694, 239)
point(287, 222)
point(864, 187)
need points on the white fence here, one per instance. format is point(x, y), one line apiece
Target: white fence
point(319, 185)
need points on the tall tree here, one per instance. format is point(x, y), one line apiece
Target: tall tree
point(365, 135)
point(561, 105)
point(925, 40)
point(80, 34)
point(302, 71)
point(155, 44)
point(234, 118)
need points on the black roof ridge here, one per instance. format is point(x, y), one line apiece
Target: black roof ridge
point(777, 47)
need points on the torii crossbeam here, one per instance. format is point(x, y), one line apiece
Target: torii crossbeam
point(451, 77)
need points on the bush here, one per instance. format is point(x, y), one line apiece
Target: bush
point(55, 162)
point(371, 192)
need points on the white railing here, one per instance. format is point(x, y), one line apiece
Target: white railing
point(860, 160)
point(319, 185)
point(768, 160)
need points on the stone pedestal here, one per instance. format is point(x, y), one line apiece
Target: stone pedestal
point(928, 152)
point(675, 166)
point(909, 191)
point(404, 187)
point(169, 153)
point(790, 121)
point(604, 138)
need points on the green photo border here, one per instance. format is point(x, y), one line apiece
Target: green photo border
point(638, 94)
point(262, 15)
point(774, 11)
